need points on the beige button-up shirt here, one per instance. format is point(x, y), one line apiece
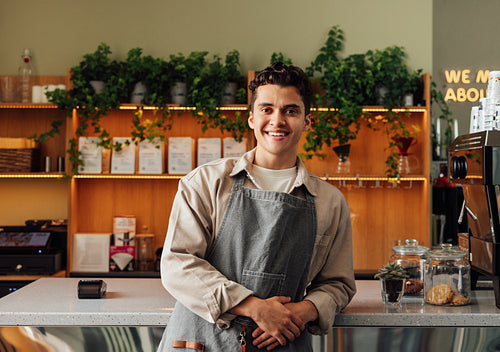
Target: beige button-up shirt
point(197, 213)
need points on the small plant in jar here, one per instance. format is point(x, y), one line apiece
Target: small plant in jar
point(392, 280)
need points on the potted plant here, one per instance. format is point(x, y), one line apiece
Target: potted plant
point(347, 85)
point(232, 93)
point(392, 78)
point(392, 282)
point(182, 70)
point(143, 72)
point(393, 81)
point(206, 95)
point(96, 68)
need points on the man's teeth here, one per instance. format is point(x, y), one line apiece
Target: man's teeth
point(277, 134)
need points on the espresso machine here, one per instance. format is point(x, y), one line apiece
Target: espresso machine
point(474, 162)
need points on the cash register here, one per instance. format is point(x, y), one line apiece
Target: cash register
point(38, 248)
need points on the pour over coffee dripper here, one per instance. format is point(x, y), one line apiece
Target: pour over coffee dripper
point(344, 164)
point(406, 165)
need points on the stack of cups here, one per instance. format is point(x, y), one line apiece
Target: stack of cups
point(488, 111)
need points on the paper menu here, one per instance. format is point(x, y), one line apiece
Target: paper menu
point(180, 155)
point(151, 156)
point(91, 155)
point(233, 148)
point(123, 161)
point(208, 150)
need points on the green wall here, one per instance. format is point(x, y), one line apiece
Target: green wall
point(59, 32)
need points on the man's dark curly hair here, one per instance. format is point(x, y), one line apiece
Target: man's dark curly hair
point(285, 76)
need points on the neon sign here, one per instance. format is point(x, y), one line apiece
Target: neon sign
point(463, 93)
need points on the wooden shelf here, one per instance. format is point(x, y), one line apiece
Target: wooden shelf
point(382, 210)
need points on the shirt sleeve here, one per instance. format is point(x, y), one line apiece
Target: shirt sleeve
point(334, 286)
point(185, 273)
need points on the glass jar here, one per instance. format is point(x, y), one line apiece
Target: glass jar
point(447, 277)
point(411, 257)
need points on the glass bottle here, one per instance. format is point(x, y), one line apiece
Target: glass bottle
point(24, 77)
point(447, 277)
point(411, 257)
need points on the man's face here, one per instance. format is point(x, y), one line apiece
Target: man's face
point(278, 120)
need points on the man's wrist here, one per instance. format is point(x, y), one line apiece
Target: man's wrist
point(310, 311)
point(244, 308)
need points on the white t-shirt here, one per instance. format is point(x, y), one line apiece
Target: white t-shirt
point(274, 180)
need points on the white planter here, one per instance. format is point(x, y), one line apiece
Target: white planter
point(137, 96)
point(229, 96)
point(178, 93)
point(408, 99)
point(381, 93)
point(98, 86)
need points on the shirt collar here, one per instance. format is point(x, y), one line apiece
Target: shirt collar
point(245, 163)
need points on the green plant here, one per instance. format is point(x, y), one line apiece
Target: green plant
point(96, 66)
point(92, 107)
point(206, 96)
point(279, 57)
point(392, 271)
point(347, 85)
point(390, 72)
point(152, 72)
point(184, 69)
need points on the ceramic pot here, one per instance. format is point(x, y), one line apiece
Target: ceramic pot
point(178, 93)
point(229, 95)
point(137, 96)
point(98, 86)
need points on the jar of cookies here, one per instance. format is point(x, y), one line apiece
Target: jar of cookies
point(447, 277)
point(411, 257)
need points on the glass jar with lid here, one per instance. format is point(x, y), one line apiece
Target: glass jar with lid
point(447, 277)
point(411, 257)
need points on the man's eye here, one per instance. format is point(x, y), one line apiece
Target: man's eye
point(291, 111)
point(265, 110)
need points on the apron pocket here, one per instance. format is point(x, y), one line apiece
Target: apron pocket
point(264, 285)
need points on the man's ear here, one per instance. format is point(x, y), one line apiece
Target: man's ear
point(250, 120)
point(307, 122)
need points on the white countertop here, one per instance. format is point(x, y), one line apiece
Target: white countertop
point(54, 302)
point(144, 302)
point(367, 309)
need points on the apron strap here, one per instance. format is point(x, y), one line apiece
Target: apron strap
point(188, 344)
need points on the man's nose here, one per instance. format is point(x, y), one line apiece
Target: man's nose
point(277, 119)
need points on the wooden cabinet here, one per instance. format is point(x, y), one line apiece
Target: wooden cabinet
point(382, 211)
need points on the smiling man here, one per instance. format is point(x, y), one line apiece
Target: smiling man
point(258, 251)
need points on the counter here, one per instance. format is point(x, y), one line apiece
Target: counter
point(144, 302)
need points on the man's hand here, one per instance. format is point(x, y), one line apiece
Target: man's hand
point(305, 310)
point(276, 323)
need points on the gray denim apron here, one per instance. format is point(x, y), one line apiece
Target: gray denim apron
point(265, 243)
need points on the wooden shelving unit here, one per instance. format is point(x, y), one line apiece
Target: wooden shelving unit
point(383, 210)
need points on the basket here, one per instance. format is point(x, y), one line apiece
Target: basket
point(20, 160)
